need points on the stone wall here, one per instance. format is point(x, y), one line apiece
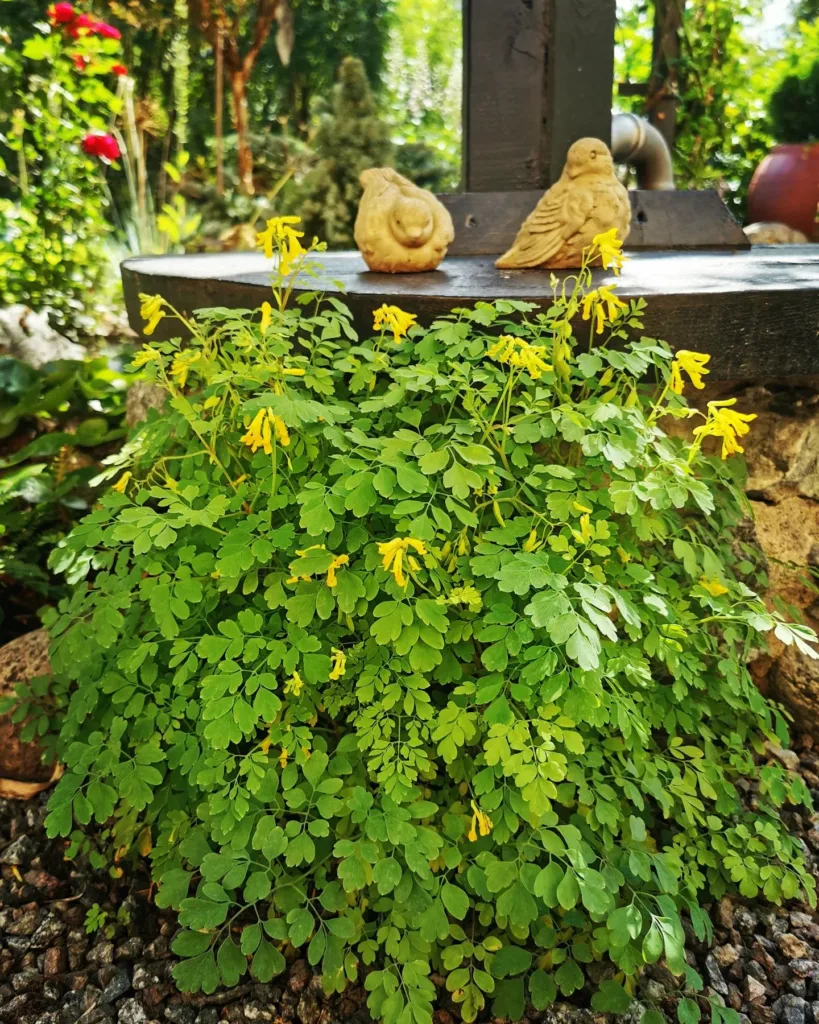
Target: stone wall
point(782, 452)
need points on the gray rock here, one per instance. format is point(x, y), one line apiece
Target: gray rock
point(131, 1011)
point(745, 921)
point(101, 954)
point(130, 949)
point(255, 1011)
point(207, 1015)
point(714, 974)
point(28, 336)
point(180, 1014)
point(118, 985)
point(804, 968)
point(754, 990)
point(48, 932)
point(25, 925)
point(49, 1017)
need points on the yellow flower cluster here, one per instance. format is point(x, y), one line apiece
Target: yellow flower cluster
point(713, 586)
point(181, 365)
point(294, 685)
point(337, 562)
point(481, 823)
point(610, 250)
point(150, 309)
point(604, 304)
point(519, 353)
point(393, 551)
point(265, 426)
point(725, 423)
point(279, 236)
point(339, 663)
point(395, 319)
point(122, 483)
point(693, 363)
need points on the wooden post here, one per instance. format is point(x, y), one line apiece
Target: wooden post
point(538, 74)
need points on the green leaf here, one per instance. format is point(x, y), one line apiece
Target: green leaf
point(267, 962)
point(688, 1011)
point(510, 960)
point(611, 997)
point(543, 989)
point(455, 900)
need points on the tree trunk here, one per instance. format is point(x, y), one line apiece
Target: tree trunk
point(663, 86)
point(238, 89)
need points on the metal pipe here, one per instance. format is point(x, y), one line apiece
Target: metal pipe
point(635, 141)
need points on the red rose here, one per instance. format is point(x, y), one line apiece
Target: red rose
point(81, 25)
point(105, 31)
point(102, 145)
point(61, 14)
point(119, 69)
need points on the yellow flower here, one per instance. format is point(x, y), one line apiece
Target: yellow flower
point(393, 552)
point(694, 365)
point(337, 562)
point(339, 663)
point(713, 586)
point(586, 531)
point(519, 353)
point(267, 316)
point(150, 309)
point(278, 230)
point(181, 365)
point(266, 744)
point(262, 429)
point(284, 757)
point(294, 685)
point(293, 371)
point(605, 305)
point(725, 423)
point(480, 823)
point(145, 355)
point(290, 251)
point(122, 483)
point(396, 319)
point(610, 249)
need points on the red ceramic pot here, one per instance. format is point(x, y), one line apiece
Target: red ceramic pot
point(785, 188)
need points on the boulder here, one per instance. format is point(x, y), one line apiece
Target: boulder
point(22, 772)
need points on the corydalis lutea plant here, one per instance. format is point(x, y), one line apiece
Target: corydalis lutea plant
point(424, 651)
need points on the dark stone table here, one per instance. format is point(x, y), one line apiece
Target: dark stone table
point(756, 311)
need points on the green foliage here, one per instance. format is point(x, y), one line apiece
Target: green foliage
point(424, 91)
point(52, 210)
point(54, 424)
point(795, 107)
point(350, 138)
point(424, 653)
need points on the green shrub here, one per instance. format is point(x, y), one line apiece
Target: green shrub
point(794, 107)
point(55, 424)
point(425, 651)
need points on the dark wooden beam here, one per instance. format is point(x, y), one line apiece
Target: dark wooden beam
point(538, 74)
point(487, 222)
point(756, 312)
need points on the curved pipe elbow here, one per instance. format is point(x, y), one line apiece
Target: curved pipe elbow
point(635, 141)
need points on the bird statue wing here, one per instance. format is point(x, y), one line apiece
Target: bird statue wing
point(559, 215)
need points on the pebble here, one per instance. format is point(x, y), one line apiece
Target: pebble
point(792, 947)
point(54, 961)
point(754, 990)
point(131, 1011)
point(726, 955)
point(18, 852)
point(788, 758)
point(102, 953)
point(117, 986)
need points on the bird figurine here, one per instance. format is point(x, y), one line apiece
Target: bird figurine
point(585, 201)
point(400, 228)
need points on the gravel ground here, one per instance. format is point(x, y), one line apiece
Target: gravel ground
point(764, 961)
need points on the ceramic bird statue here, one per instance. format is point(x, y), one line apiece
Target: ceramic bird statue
point(400, 228)
point(585, 201)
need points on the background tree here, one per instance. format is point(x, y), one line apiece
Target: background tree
point(226, 26)
point(350, 138)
